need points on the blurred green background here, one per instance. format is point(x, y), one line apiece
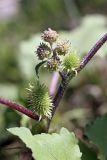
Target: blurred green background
point(21, 23)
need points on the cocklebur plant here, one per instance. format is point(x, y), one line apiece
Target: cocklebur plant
point(54, 55)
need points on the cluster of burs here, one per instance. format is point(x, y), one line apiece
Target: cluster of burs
point(57, 53)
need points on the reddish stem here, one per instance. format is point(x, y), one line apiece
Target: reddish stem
point(19, 108)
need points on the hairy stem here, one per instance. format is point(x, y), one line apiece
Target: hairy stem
point(19, 108)
point(64, 82)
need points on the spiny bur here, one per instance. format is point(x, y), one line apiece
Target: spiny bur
point(39, 100)
point(70, 62)
point(50, 35)
point(43, 51)
point(62, 47)
point(53, 63)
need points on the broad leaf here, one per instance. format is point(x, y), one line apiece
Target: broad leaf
point(97, 133)
point(87, 152)
point(63, 146)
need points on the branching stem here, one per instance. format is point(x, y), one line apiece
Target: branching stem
point(64, 82)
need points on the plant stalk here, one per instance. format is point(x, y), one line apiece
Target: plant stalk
point(19, 108)
point(65, 82)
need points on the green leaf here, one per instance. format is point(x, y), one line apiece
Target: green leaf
point(97, 133)
point(87, 152)
point(38, 67)
point(62, 146)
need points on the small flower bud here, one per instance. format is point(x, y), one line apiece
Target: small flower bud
point(62, 47)
point(71, 61)
point(50, 35)
point(43, 51)
point(39, 100)
point(53, 63)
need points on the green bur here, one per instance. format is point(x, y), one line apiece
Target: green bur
point(71, 61)
point(39, 99)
